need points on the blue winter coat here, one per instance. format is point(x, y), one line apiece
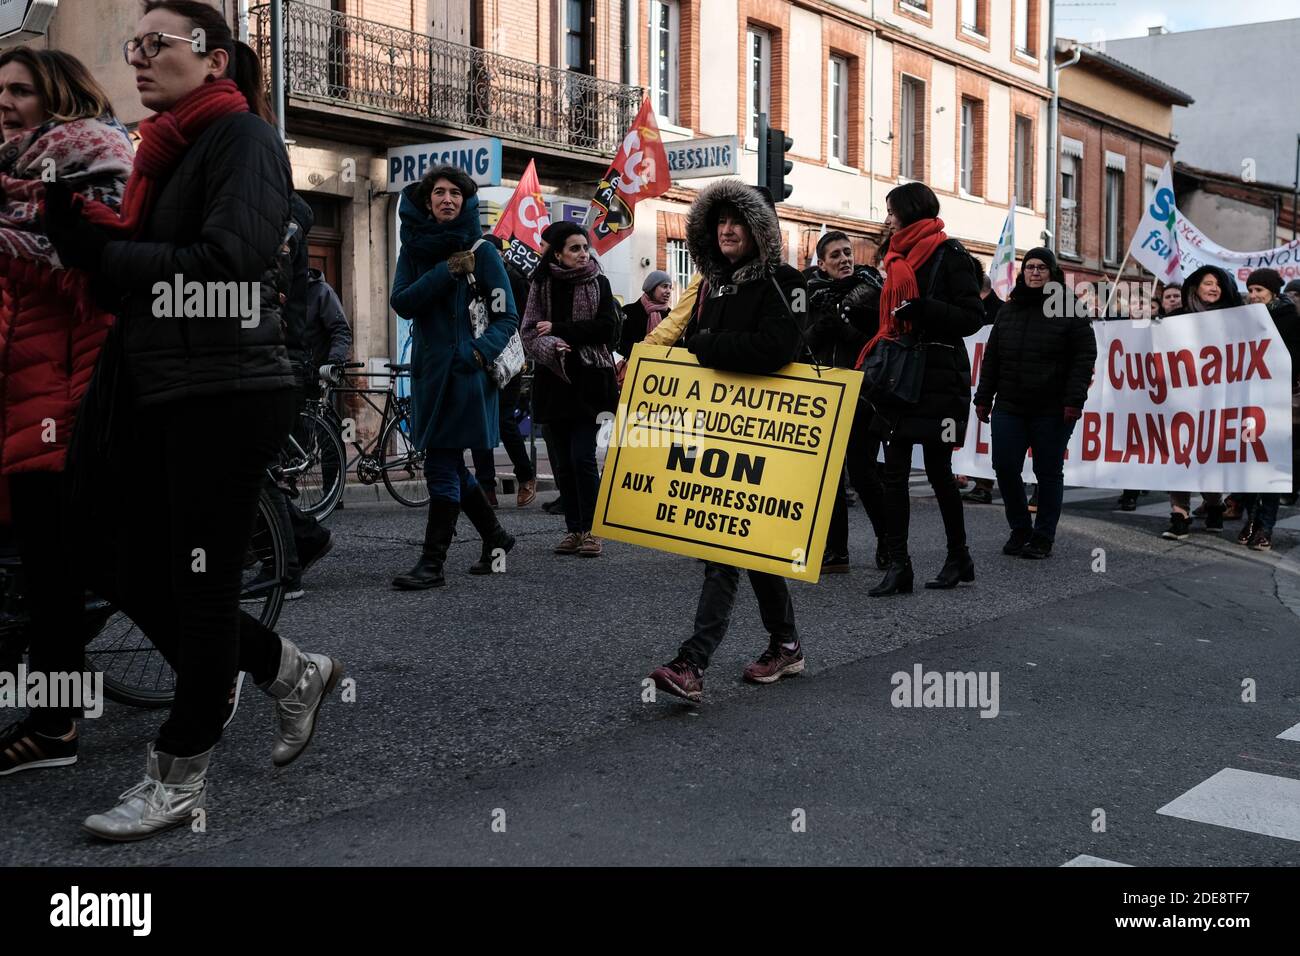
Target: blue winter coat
point(453, 400)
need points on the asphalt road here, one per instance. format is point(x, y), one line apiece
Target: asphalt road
point(501, 720)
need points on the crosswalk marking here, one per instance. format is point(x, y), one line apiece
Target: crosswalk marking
point(1084, 859)
point(1291, 733)
point(1243, 800)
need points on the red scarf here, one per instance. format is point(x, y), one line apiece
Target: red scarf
point(909, 249)
point(164, 139)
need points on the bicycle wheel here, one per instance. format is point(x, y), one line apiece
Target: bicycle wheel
point(313, 465)
point(400, 463)
point(135, 672)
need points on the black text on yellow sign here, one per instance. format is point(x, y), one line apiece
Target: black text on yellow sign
point(739, 469)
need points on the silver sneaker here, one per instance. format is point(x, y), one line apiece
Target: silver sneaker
point(301, 686)
point(172, 789)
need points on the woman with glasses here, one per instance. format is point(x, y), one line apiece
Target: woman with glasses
point(55, 118)
point(204, 401)
point(1033, 383)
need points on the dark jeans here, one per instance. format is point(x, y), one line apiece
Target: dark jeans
point(445, 474)
point(1262, 510)
point(485, 468)
point(579, 479)
point(1048, 436)
point(55, 597)
point(864, 476)
point(718, 597)
point(938, 469)
point(559, 463)
point(208, 458)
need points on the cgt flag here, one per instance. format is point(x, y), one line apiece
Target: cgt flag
point(1155, 244)
point(522, 222)
point(639, 171)
point(1002, 273)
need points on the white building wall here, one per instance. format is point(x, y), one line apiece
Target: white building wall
point(945, 120)
point(807, 80)
point(719, 96)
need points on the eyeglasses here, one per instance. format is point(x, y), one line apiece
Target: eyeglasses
point(150, 44)
point(1036, 268)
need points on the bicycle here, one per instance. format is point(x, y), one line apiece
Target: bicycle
point(135, 672)
point(390, 456)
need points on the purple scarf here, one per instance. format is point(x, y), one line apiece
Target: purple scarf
point(544, 349)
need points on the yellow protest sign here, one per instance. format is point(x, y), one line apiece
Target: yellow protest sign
point(740, 469)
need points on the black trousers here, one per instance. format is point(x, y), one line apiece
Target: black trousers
point(938, 469)
point(177, 546)
point(55, 596)
point(579, 479)
point(485, 469)
point(864, 476)
point(718, 597)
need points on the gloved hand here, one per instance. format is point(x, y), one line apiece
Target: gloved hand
point(982, 413)
point(1073, 414)
point(461, 263)
point(331, 373)
point(699, 342)
point(80, 244)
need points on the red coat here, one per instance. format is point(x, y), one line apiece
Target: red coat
point(50, 335)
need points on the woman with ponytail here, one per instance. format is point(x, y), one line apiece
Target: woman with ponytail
point(187, 410)
point(931, 292)
point(56, 119)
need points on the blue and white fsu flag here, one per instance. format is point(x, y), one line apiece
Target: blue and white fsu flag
point(1155, 244)
point(1002, 272)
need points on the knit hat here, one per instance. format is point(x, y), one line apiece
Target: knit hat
point(1270, 279)
point(1042, 255)
point(1292, 286)
point(654, 280)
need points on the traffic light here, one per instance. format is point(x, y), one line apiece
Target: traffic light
point(773, 167)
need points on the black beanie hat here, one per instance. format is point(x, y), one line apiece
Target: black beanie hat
point(1270, 279)
point(1042, 255)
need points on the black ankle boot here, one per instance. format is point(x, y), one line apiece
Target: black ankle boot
point(958, 567)
point(897, 579)
point(439, 527)
point(495, 538)
point(882, 555)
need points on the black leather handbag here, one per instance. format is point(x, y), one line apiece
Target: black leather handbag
point(893, 372)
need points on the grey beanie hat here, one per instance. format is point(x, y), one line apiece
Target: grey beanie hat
point(654, 280)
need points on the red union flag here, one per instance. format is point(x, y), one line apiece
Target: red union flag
point(522, 222)
point(639, 171)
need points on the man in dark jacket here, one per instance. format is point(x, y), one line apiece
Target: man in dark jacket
point(843, 299)
point(744, 324)
point(327, 337)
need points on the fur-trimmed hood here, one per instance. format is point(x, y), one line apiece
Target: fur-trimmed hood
point(702, 239)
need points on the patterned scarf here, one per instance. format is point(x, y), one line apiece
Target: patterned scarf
point(544, 349)
point(92, 156)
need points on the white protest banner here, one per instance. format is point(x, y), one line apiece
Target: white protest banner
point(1155, 243)
point(1198, 402)
point(1198, 249)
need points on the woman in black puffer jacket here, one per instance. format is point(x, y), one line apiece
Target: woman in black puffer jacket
point(932, 290)
point(1039, 365)
point(204, 400)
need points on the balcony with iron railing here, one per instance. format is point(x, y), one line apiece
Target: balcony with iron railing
point(341, 61)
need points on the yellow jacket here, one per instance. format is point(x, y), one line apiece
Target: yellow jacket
point(670, 329)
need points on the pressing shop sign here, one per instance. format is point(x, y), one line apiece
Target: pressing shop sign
point(480, 158)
